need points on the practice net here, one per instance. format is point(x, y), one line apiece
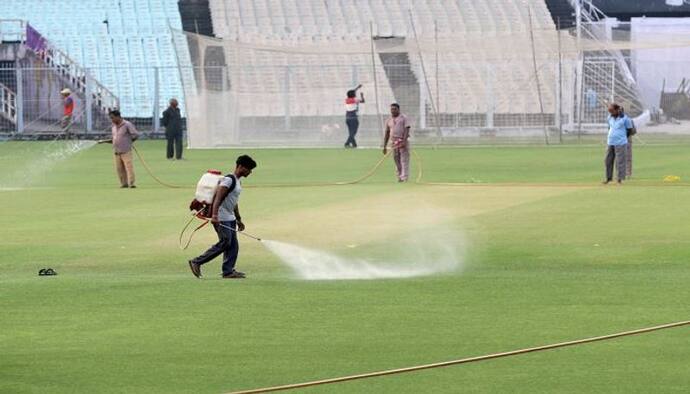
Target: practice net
point(536, 84)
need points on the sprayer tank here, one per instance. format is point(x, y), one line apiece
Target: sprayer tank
point(207, 185)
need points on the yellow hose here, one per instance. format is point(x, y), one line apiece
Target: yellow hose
point(364, 177)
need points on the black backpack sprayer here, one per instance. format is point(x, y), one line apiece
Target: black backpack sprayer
point(201, 206)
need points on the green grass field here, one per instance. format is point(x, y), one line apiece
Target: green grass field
point(551, 255)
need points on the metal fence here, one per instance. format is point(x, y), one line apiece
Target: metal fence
point(31, 102)
point(303, 104)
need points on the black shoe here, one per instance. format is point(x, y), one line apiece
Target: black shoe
point(235, 275)
point(132, 187)
point(605, 182)
point(124, 187)
point(196, 268)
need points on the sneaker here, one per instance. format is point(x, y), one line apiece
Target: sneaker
point(235, 275)
point(605, 182)
point(132, 187)
point(196, 268)
point(124, 186)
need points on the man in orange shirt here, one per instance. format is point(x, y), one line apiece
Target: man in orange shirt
point(68, 110)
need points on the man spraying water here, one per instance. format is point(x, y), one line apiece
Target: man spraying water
point(226, 219)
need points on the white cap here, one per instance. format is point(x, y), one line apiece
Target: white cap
point(65, 91)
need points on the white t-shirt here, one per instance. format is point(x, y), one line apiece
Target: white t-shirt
point(226, 211)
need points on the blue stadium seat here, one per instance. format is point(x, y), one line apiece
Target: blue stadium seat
point(122, 53)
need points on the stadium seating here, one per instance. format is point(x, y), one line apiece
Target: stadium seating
point(464, 78)
point(121, 52)
point(233, 19)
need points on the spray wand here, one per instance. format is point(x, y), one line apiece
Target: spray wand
point(196, 214)
point(240, 232)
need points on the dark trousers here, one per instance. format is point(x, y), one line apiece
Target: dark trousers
point(174, 144)
point(628, 158)
point(227, 245)
point(615, 154)
point(352, 126)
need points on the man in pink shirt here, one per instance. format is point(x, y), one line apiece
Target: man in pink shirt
point(398, 131)
point(124, 134)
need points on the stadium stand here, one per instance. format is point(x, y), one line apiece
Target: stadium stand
point(120, 40)
point(462, 81)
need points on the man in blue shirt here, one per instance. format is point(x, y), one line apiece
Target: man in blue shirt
point(617, 142)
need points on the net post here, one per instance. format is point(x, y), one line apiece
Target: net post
point(439, 133)
point(559, 86)
point(376, 84)
point(88, 106)
point(422, 105)
point(185, 106)
point(613, 82)
point(489, 97)
point(156, 100)
point(536, 75)
point(20, 100)
point(286, 98)
point(438, 89)
point(580, 67)
point(580, 93)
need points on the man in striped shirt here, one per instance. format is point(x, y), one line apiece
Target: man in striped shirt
point(351, 115)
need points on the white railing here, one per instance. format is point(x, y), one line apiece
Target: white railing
point(8, 104)
point(591, 12)
point(77, 75)
point(14, 30)
point(593, 16)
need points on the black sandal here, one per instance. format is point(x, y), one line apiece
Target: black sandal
point(47, 272)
